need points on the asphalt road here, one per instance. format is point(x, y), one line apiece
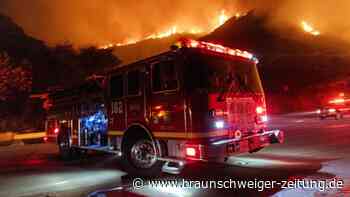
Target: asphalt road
point(314, 150)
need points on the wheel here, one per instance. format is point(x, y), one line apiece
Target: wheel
point(65, 150)
point(140, 158)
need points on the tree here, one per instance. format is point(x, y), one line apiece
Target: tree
point(15, 79)
point(94, 60)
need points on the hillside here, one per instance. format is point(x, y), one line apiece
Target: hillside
point(60, 65)
point(288, 56)
point(57, 66)
point(147, 48)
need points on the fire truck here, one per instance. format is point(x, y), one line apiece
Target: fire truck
point(198, 102)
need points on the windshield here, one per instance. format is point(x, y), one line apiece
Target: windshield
point(217, 74)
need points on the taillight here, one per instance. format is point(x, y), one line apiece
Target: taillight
point(192, 151)
point(56, 130)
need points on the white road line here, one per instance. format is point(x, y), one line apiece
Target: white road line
point(61, 182)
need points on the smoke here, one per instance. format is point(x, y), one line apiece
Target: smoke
point(86, 22)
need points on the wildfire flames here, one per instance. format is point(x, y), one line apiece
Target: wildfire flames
point(309, 28)
point(222, 17)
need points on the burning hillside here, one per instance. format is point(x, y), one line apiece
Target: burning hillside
point(309, 28)
point(174, 30)
point(291, 44)
point(113, 22)
point(124, 22)
point(295, 59)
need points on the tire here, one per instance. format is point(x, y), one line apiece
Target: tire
point(139, 158)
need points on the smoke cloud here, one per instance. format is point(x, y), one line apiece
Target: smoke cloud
point(89, 22)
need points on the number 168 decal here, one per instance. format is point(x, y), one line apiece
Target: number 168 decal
point(117, 107)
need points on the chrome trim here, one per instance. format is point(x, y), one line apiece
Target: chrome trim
point(170, 159)
point(226, 141)
point(116, 152)
point(79, 137)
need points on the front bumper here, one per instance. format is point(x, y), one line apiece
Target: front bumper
point(220, 150)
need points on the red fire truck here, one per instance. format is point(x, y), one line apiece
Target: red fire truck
point(198, 102)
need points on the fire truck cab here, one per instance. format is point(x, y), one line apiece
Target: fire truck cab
point(199, 102)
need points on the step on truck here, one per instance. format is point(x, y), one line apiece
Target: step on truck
point(198, 102)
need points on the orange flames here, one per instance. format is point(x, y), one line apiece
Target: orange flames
point(222, 17)
point(309, 28)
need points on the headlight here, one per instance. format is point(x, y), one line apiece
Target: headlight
point(219, 124)
point(264, 118)
point(331, 110)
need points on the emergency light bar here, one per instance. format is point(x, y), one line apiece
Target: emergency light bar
point(189, 43)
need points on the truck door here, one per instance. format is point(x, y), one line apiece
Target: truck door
point(166, 103)
point(134, 99)
point(117, 114)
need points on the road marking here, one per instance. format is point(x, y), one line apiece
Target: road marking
point(61, 182)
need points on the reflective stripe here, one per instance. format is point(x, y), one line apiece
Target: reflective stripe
point(167, 134)
point(6, 136)
point(26, 136)
point(115, 132)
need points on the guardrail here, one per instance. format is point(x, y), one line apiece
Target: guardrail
point(9, 137)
